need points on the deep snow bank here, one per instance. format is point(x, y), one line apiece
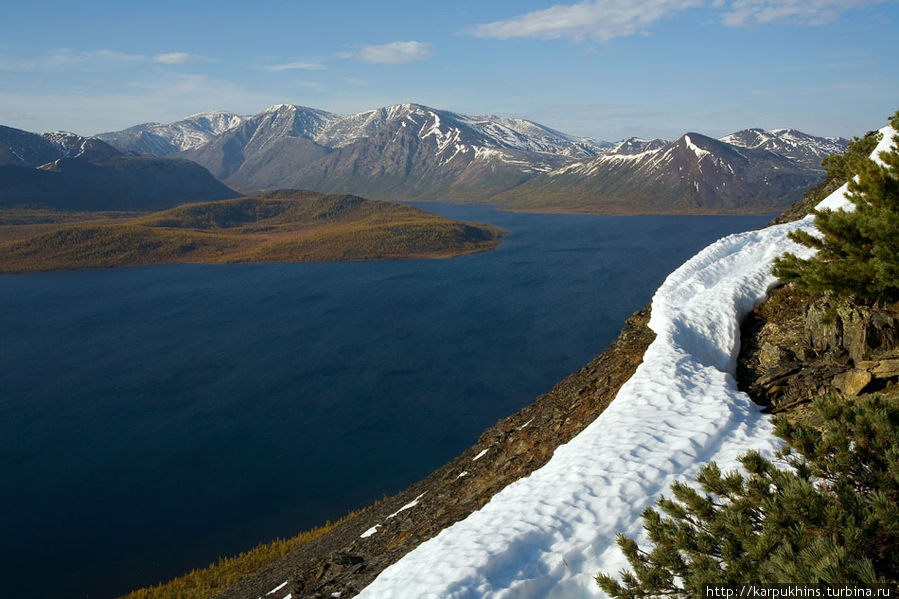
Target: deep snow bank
point(547, 535)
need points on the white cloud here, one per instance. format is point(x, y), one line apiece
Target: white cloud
point(808, 12)
point(604, 20)
point(392, 53)
point(69, 59)
point(291, 66)
point(172, 58)
point(601, 20)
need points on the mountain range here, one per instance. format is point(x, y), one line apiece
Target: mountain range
point(692, 174)
point(66, 171)
point(413, 152)
point(410, 151)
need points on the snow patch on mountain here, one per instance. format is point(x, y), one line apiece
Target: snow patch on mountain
point(700, 153)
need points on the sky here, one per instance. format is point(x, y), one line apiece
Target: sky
point(606, 69)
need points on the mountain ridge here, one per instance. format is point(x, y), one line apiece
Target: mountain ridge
point(414, 152)
point(66, 171)
point(692, 174)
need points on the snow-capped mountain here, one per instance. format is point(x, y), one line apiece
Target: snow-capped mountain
point(635, 145)
point(161, 140)
point(796, 145)
point(694, 173)
point(447, 128)
point(282, 145)
point(22, 148)
point(410, 151)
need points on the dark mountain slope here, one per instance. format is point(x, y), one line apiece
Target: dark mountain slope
point(22, 148)
point(89, 174)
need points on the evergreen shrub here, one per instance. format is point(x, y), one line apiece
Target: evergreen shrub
point(858, 250)
point(827, 514)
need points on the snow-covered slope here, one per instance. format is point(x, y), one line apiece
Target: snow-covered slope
point(547, 535)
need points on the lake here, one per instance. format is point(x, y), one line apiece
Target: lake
point(155, 418)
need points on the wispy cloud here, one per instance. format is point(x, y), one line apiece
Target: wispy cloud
point(66, 58)
point(600, 20)
point(604, 20)
point(818, 12)
point(172, 58)
point(69, 59)
point(293, 66)
point(392, 53)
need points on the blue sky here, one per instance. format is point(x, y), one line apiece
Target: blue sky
point(607, 69)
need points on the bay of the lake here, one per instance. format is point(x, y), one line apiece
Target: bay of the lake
point(153, 419)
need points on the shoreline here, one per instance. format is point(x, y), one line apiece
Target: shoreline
point(343, 561)
point(355, 549)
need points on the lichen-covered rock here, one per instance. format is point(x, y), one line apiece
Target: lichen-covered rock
point(796, 346)
point(864, 332)
point(852, 382)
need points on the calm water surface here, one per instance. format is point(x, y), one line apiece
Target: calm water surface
point(152, 419)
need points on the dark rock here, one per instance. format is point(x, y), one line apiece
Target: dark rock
point(797, 347)
point(864, 332)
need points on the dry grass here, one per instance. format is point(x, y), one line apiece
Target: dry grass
point(207, 582)
point(276, 227)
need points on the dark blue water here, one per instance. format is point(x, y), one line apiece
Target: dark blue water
point(152, 419)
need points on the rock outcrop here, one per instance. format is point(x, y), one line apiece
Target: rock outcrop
point(797, 346)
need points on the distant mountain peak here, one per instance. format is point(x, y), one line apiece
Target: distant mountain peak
point(280, 108)
point(636, 145)
point(792, 143)
point(205, 114)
